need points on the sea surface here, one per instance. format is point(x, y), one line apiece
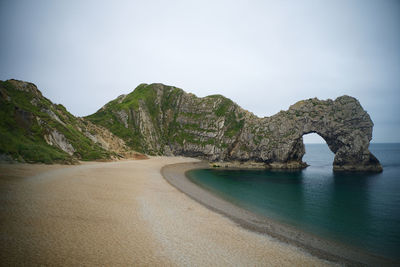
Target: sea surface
point(359, 209)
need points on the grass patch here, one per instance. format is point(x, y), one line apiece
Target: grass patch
point(24, 123)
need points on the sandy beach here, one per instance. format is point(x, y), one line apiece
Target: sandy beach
point(122, 213)
point(320, 247)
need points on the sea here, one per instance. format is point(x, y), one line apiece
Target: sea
point(358, 209)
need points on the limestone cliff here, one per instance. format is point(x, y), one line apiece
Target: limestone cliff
point(165, 120)
point(33, 129)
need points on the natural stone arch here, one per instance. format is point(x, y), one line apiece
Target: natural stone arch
point(165, 120)
point(343, 124)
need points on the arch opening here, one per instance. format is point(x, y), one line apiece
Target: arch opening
point(317, 151)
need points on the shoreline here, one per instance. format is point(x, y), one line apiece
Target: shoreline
point(122, 213)
point(175, 174)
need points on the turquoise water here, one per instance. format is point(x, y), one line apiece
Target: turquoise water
point(361, 210)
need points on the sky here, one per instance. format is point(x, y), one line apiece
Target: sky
point(264, 55)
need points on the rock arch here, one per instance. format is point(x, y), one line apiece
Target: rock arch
point(165, 120)
point(343, 124)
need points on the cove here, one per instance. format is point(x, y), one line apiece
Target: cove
point(359, 209)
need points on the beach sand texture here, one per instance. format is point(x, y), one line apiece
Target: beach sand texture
point(122, 213)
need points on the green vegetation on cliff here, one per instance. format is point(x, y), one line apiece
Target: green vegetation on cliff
point(154, 118)
point(27, 119)
point(164, 120)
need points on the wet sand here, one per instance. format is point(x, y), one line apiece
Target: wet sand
point(122, 213)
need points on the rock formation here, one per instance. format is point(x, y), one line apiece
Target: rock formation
point(164, 120)
point(34, 129)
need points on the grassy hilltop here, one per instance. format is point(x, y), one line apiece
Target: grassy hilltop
point(33, 129)
point(154, 117)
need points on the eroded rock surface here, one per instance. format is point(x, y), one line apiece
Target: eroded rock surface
point(33, 129)
point(164, 120)
point(55, 138)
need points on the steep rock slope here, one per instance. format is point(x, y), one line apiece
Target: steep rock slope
point(34, 129)
point(165, 120)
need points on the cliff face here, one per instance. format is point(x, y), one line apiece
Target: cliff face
point(342, 123)
point(164, 120)
point(34, 129)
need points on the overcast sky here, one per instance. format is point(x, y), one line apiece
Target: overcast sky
point(264, 55)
